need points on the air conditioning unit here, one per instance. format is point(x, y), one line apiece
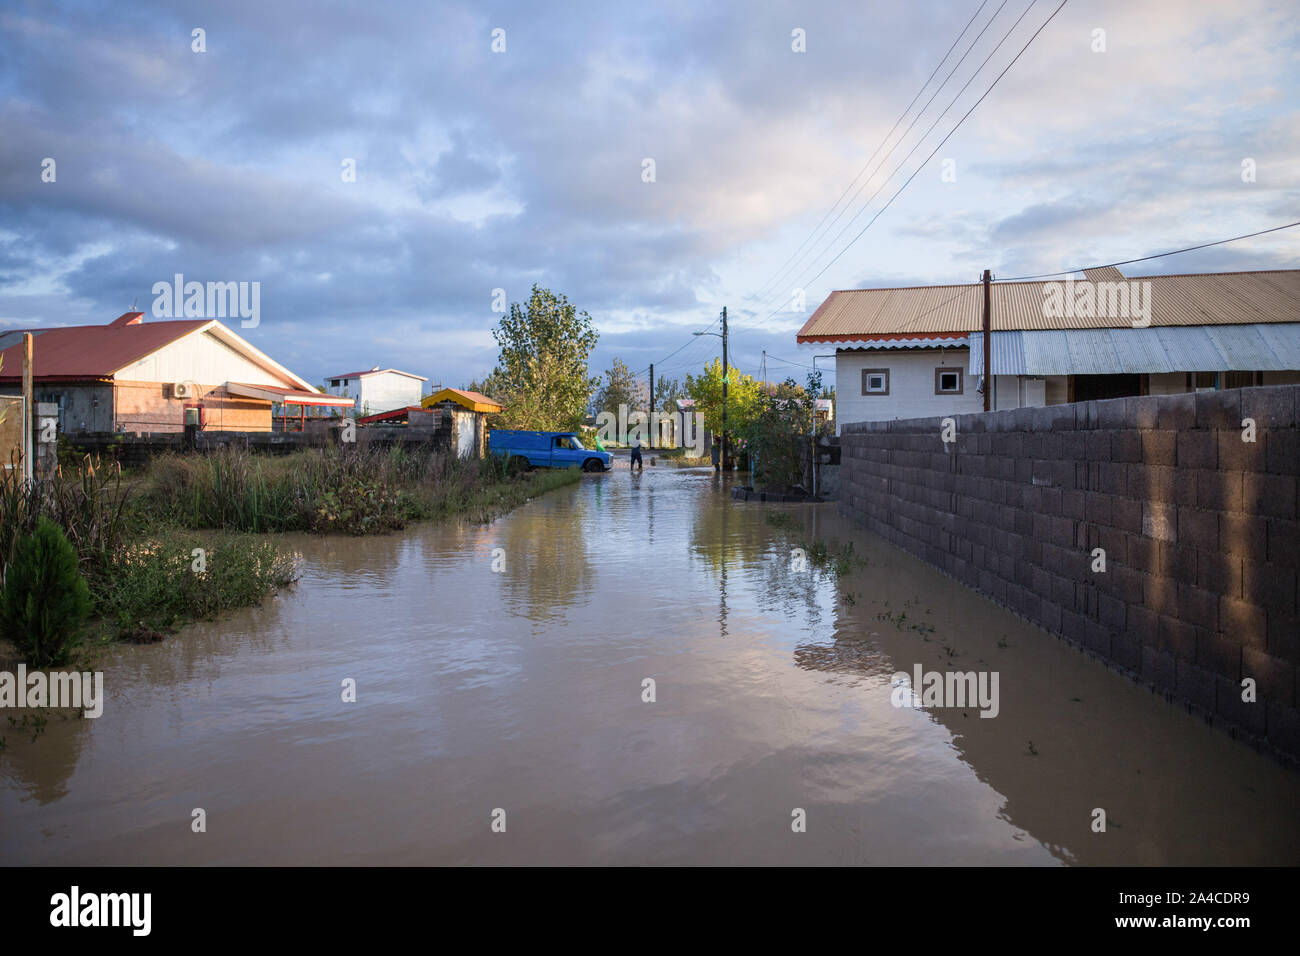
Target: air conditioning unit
point(182, 390)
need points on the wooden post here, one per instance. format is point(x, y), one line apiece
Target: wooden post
point(29, 406)
point(988, 337)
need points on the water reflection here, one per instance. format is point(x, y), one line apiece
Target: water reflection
point(522, 688)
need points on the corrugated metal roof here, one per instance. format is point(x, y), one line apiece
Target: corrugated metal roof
point(1227, 348)
point(90, 351)
point(1228, 298)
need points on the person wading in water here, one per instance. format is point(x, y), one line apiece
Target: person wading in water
point(636, 456)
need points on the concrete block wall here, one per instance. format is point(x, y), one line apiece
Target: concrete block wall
point(1198, 526)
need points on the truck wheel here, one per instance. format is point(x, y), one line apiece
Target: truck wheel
point(592, 464)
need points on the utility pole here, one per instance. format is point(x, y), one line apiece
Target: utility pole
point(726, 374)
point(29, 406)
point(654, 426)
point(988, 336)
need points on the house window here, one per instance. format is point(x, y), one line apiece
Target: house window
point(334, 383)
point(947, 381)
point(875, 381)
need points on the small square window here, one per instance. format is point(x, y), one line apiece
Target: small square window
point(947, 381)
point(875, 381)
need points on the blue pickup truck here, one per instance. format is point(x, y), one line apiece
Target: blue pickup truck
point(546, 450)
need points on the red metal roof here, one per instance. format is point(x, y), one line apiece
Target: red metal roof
point(92, 351)
point(392, 415)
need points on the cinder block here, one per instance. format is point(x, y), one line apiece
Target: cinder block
point(1272, 496)
point(1284, 542)
point(1283, 727)
point(1219, 655)
point(1229, 705)
point(1142, 411)
point(1111, 413)
point(1237, 455)
point(1126, 445)
point(1220, 573)
point(1177, 637)
point(1176, 412)
point(1272, 586)
point(1126, 652)
point(1195, 685)
point(1272, 406)
point(1158, 667)
point(1142, 625)
point(1218, 490)
point(1274, 677)
point(1244, 535)
point(1160, 521)
point(1142, 554)
point(1219, 409)
point(1245, 621)
point(1199, 606)
point(1126, 514)
point(1198, 528)
point(1284, 635)
point(1159, 447)
point(1111, 613)
point(1282, 455)
point(1197, 449)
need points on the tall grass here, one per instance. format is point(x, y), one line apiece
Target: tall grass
point(349, 490)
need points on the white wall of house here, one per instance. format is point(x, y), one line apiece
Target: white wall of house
point(912, 386)
point(385, 391)
point(200, 358)
point(377, 392)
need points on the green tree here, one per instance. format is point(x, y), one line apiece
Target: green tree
point(667, 392)
point(742, 397)
point(779, 434)
point(621, 388)
point(541, 374)
point(45, 599)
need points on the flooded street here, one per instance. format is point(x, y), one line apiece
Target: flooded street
point(520, 689)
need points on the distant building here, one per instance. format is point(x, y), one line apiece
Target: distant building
point(919, 352)
point(377, 390)
point(466, 413)
point(137, 376)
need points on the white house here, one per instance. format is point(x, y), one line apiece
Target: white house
point(919, 351)
point(377, 389)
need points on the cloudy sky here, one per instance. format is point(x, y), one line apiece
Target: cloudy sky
point(479, 170)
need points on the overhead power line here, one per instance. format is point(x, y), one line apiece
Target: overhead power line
point(1159, 255)
point(763, 290)
point(938, 146)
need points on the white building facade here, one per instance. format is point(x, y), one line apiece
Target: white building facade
point(919, 352)
point(377, 390)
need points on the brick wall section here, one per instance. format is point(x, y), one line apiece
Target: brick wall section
point(1199, 529)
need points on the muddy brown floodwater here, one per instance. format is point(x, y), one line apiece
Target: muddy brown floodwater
point(521, 690)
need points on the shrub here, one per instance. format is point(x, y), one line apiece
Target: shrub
point(45, 599)
point(154, 584)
